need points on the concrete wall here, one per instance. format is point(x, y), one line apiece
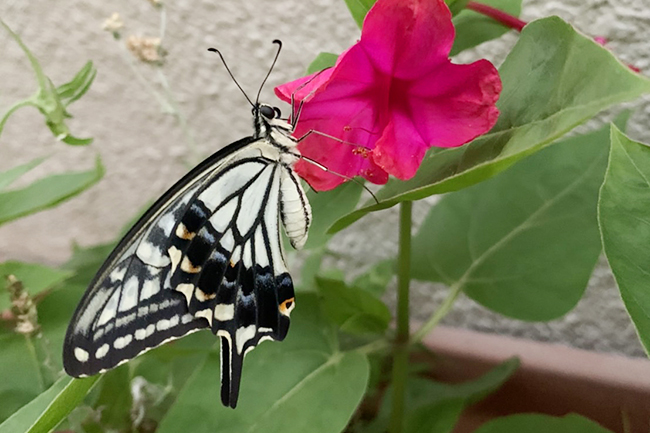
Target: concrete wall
point(143, 150)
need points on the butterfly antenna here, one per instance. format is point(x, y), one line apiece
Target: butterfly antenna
point(214, 50)
point(259, 92)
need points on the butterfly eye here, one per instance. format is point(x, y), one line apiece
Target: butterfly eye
point(267, 111)
point(278, 113)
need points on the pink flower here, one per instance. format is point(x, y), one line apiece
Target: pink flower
point(394, 94)
point(600, 40)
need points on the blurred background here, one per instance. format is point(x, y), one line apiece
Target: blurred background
point(145, 149)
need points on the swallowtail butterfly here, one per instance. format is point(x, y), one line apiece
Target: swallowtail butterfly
point(207, 254)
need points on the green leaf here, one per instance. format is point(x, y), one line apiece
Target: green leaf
point(74, 141)
point(553, 80)
point(78, 86)
point(310, 268)
point(54, 313)
point(435, 406)
point(327, 207)
point(114, 399)
point(40, 75)
point(85, 262)
point(9, 176)
point(35, 278)
point(21, 381)
point(456, 6)
point(426, 392)
point(359, 9)
point(438, 417)
point(304, 384)
point(31, 364)
point(473, 29)
point(524, 243)
point(376, 278)
point(476, 390)
point(355, 310)
point(322, 61)
point(47, 192)
point(625, 226)
point(537, 423)
point(167, 369)
point(47, 410)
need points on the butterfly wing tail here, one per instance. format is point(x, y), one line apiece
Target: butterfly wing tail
point(231, 370)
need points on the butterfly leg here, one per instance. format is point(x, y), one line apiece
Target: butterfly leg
point(322, 134)
point(327, 170)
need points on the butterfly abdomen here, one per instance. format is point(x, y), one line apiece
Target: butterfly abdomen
point(295, 210)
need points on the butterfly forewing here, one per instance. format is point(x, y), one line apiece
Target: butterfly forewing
point(207, 254)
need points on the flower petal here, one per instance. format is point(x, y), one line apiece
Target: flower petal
point(303, 88)
point(455, 103)
point(407, 38)
point(400, 149)
point(349, 109)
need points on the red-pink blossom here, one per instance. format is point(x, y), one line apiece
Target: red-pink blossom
point(393, 94)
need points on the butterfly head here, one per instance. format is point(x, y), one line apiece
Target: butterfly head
point(268, 112)
point(269, 118)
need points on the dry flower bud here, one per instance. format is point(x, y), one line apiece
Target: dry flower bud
point(25, 326)
point(146, 49)
point(23, 307)
point(114, 23)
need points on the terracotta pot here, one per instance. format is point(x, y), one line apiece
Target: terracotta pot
point(552, 379)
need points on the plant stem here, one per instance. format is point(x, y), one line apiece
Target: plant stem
point(163, 22)
point(401, 345)
point(126, 56)
point(498, 15)
point(12, 109)
point(441, 312)
point(192, 158)
point(32, 351)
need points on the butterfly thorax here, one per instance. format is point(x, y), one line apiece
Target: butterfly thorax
point(277, 131)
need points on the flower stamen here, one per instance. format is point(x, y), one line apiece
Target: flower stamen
point(360, 151)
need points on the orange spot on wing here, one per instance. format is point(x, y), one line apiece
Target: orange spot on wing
point(286, 307)
point(183, 233)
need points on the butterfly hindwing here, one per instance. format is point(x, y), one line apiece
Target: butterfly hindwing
point(227, 261)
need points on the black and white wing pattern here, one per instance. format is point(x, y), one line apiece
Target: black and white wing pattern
point(208, 254)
